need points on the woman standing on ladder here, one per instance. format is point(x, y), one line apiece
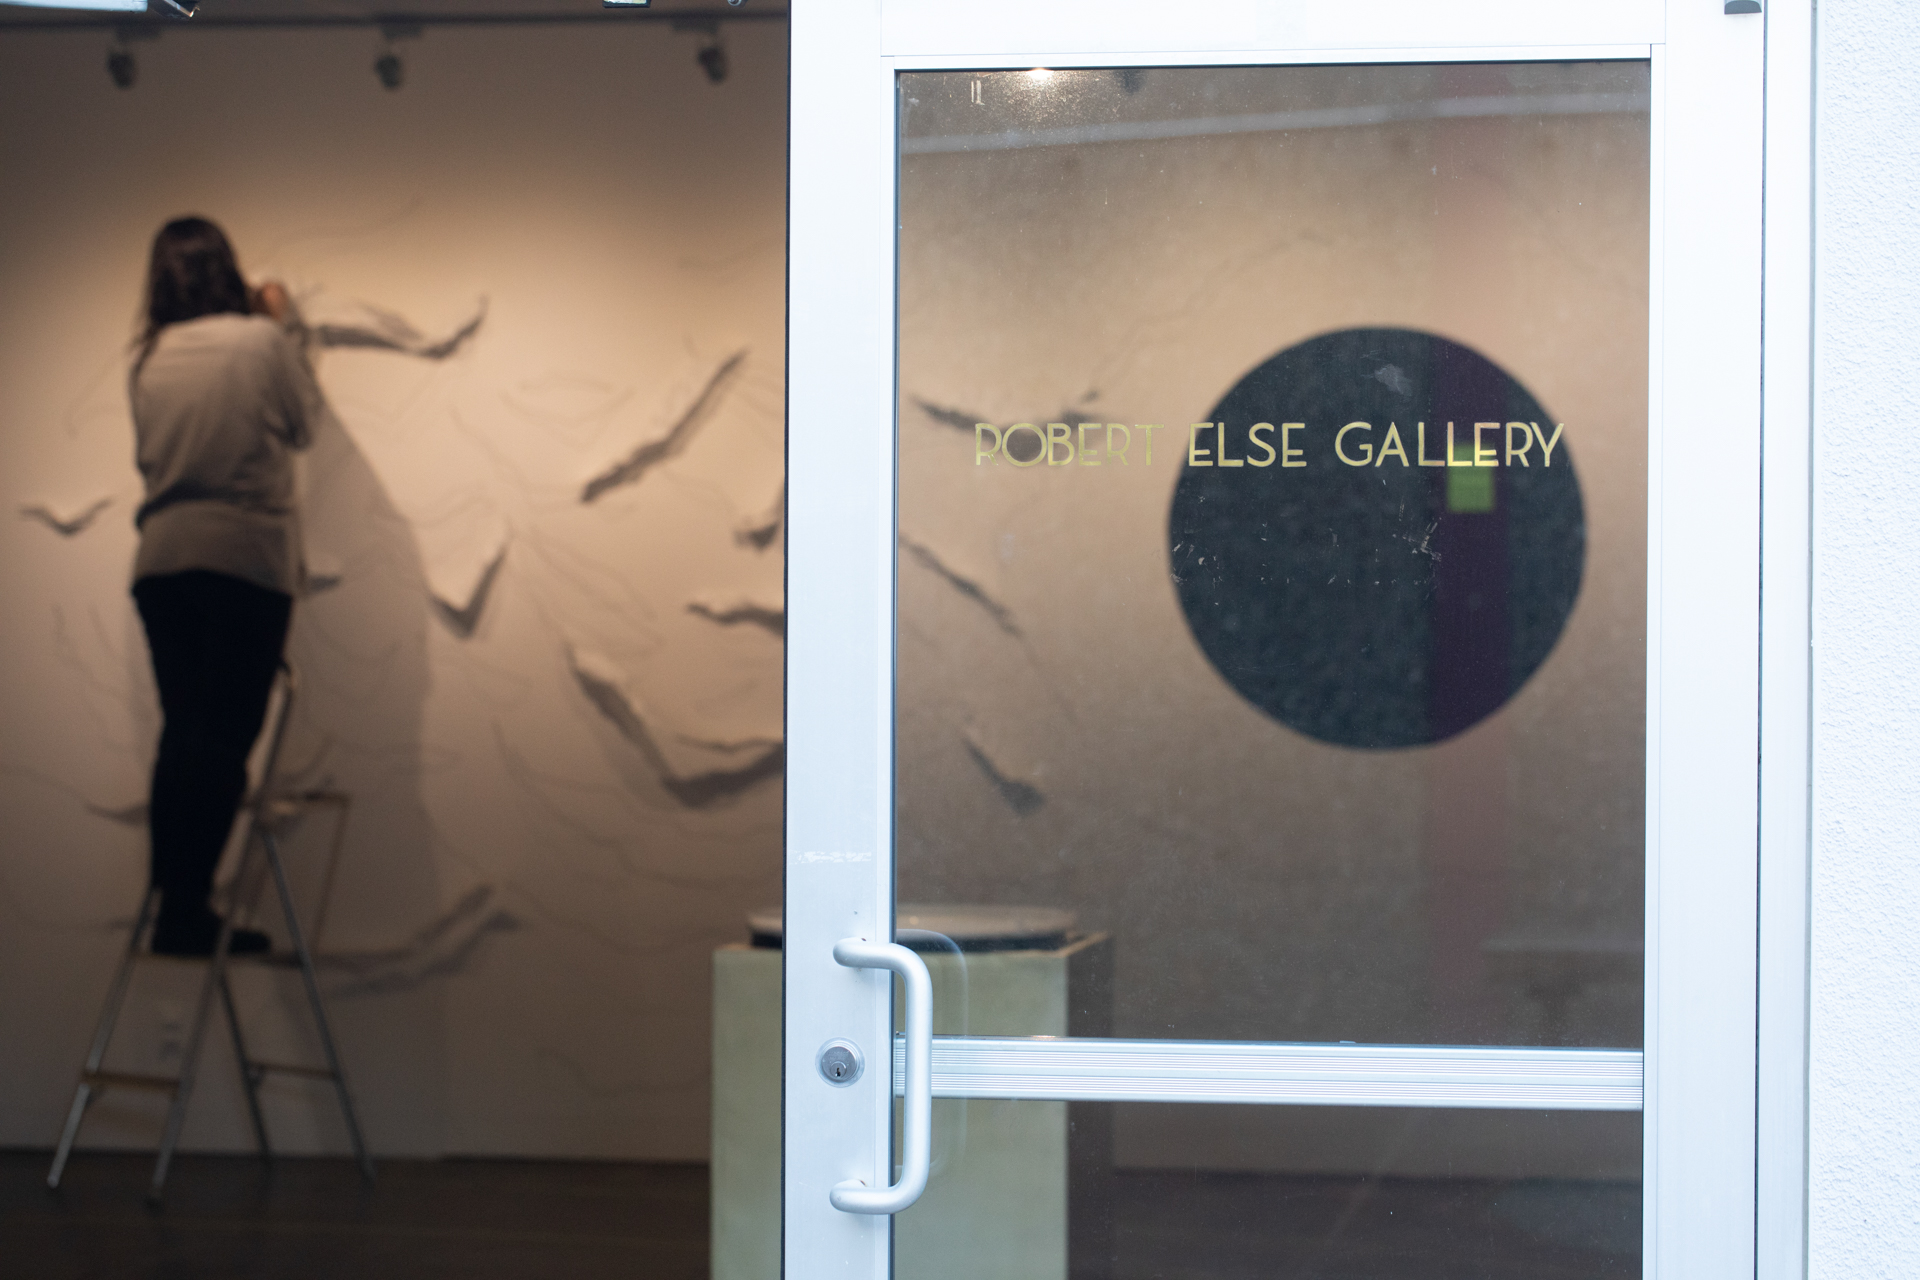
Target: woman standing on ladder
point(222, 395)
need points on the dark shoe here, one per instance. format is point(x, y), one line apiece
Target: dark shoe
point(197, 934)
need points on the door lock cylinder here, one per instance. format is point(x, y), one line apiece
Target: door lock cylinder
point(840, 1062)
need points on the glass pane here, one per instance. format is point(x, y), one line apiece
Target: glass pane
point(1043, 1190)
point(1272, 575)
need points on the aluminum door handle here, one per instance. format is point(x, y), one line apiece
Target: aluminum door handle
point(916, 1141)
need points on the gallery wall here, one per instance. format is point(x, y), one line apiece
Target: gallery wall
point(542, 646)
point(542, 649)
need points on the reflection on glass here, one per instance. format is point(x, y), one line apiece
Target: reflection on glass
point(1272, 449)
point(1043, 1190)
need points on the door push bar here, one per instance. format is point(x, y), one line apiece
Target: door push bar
point(916, 1140)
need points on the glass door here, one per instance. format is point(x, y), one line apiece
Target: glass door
point(1250, 580)
point(1272, 597)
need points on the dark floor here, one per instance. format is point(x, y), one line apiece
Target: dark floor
point(228, 1219)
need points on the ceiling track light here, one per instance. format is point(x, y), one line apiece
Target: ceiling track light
point(121, 67)
point(388, 68)
point(184, 10)
point(712, 56)
point(392, 71)
point(713, 61)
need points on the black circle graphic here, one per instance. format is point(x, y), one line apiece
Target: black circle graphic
point(1396, 602)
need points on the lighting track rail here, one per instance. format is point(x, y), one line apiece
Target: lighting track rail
point(595, 17)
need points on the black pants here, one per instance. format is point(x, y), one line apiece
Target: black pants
point(216, 643)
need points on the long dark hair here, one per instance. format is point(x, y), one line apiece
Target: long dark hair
point(192, 273)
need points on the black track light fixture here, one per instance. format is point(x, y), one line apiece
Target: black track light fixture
point(713, 60)
point(388, 68)
point(712, 56)
point(121, 68)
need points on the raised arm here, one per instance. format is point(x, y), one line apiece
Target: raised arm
point(301, 402)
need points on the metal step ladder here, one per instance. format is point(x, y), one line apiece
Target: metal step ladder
point(261, 814)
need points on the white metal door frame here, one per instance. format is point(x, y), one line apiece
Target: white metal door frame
point(1704, 898)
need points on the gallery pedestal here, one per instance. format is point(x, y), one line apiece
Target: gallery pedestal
point(1017, 1191)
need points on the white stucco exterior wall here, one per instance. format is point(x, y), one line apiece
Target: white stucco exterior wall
point(1864, 1068)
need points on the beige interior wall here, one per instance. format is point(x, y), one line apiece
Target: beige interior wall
point(534, 875)
point(526, 906)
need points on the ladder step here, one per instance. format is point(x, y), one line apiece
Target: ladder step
point(271, 959)
point(294, 1069)
point(130, 1080)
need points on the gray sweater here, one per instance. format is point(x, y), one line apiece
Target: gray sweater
point(218, 407)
